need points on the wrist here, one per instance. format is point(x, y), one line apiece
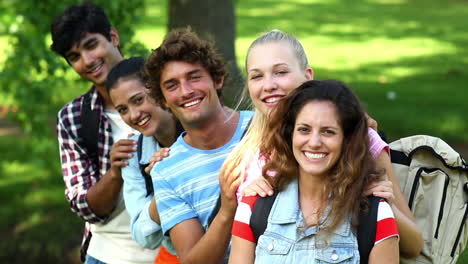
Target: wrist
point(115, 174)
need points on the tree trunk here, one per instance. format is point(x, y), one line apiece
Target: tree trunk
point(212, 20)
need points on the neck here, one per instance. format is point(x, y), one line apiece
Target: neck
point(105, 97)
point(312, 198)
point(216, 132)
point(166, 133)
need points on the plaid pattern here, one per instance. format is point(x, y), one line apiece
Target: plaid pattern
point(79, 172)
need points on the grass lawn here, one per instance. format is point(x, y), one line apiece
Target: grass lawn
point(407, 60)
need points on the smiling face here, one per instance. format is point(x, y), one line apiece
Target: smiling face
point(317, 138)
point(190, 92)
point(136, 107)
point(94, 56)
point(272, 72)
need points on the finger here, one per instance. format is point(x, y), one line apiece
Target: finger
point(120, 163)
point(121, 155)
point(125, 148)
point(125, 142)
point(130, 135)
point(149, 167)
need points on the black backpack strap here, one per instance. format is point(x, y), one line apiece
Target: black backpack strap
point(89, 130)
point(367, 228)
point(146, 176)
point(260, 213)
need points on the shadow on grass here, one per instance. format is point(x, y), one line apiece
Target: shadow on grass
point(37, 225)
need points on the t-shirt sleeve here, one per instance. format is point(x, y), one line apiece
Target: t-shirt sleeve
point(241, 226)
point(386, 223)
point(172, 208)
point(376, 144)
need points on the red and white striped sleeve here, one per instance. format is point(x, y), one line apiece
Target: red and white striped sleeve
point(241, 226)
point(386, 223)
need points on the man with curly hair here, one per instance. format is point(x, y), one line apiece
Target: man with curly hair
point(186, 76)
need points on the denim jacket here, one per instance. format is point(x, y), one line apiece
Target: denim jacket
point(145, 231)
point(286, 241)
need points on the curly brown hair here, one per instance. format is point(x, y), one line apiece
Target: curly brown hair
point(183, 45)
point(355, 167)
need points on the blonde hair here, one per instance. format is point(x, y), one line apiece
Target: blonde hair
point(246, 149)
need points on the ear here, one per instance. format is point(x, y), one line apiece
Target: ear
point(219, 84)
point(115, 39)
point(309, 74)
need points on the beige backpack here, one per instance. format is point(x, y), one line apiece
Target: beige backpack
point(434, 179)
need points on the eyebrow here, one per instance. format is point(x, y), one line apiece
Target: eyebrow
point(186, 74)
point(135, 95)
point(274, 65)
point(85, 43)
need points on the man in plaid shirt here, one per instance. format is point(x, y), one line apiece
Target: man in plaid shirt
point(84, 36)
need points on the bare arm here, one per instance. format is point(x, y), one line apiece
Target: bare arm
point(385, 252)
point(242, 251)
point(103, 195)
point(411, 240)
point(195, 246)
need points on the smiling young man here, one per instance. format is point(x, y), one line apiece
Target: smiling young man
point(186, 76)
point(83, 36)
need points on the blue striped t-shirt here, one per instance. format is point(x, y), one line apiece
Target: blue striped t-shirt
point(186, 183)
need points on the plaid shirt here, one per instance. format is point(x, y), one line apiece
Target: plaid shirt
point(79, 170)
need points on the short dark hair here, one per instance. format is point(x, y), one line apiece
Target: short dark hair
point(183, 45)
point(131, 68)
point(72, 25)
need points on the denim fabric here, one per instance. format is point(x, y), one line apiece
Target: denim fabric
point(286, 240)
point(92, 260)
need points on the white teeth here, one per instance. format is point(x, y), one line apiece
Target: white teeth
point(272, 99)
point(96, 68)
point(314, 155)
point(142, 122)
point(192, 103)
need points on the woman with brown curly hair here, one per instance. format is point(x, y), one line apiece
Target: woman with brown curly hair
point(321, 160)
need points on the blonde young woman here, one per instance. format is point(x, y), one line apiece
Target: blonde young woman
point(276, 64)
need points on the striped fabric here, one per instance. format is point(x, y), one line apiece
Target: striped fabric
point(186, 183)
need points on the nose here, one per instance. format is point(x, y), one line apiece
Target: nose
point(186, 89)
point(269, 84)
point(315, 140)
point(88, 59)
point(134, 114)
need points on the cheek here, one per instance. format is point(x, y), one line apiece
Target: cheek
point(292, 83)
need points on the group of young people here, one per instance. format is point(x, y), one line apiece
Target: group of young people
point(183, 191)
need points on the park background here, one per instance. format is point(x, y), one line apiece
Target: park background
point(406, 59)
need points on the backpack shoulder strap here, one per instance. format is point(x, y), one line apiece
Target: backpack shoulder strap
point(260, 213)
point(367, 228)
point(89, 131)
point(146, 176)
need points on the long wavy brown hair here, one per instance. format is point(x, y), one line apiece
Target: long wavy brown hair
point(354, 169)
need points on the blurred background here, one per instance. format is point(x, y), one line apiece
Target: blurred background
point(406, 59)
